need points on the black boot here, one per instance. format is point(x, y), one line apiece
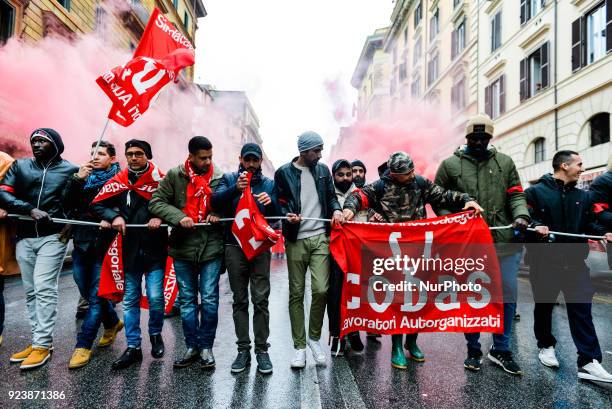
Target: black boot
point(157, 346)
point(190, 356)
point(355, 341)
point(129, 357)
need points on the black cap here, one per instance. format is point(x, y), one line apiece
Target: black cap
point(144, 145)
point(340, 163)
point(251, 149)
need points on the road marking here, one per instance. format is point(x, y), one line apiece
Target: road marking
point(349, 392)
point(609, 352)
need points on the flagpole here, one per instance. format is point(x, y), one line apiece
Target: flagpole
point(95, 152)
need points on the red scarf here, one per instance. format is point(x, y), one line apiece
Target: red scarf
point(198, 193)
point(145, 186)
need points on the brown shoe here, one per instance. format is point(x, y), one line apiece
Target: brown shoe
point(80, 358)
point(21, 355)
point(38, 357)
point(110, 334)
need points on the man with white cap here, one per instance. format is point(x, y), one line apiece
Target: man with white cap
point(305, 191)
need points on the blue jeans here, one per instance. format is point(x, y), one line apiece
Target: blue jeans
point(154, 281)
point(199, 322)
point(1, 303)
point(509, 266)
point(86, 272)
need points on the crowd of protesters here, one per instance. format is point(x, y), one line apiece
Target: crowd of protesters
point(312, 200)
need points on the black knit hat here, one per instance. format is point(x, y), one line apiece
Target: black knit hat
point(340, 163)
point(144, 145)
point(359, 163)
point(52, 136)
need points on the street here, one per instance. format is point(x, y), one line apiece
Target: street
point(364, 380)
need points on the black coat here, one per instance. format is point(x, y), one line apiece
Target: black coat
point(141, 246)
point(29, 184)
point(601, 190)
point(287, 180)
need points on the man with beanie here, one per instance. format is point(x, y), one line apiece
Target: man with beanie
point(90, 245)
point(344, 186)
point(247, 274)
point(359, 173)
point(401, 195)
point(306, 193)
point(124, 199)
point(33, 187)
point(184, 199)
point(491, 177)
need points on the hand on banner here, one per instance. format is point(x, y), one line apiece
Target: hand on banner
point(85, 170)
point(263, 198)
point(39, 215)
point(187, 223)
point(3, 213)
point(104, 225)
point(348, 214)
point(211, 218)
point(609, 237)
point(242, 181)
point(520, 224)
point(338, 218)
point(154, 223)
point(377, 218)
point(119, 225)
point(293, 218)
point(475, 206)
point(542, 231)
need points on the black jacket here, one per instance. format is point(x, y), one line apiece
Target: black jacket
point(225, 198)
point(29, 184)
point(287, 180)
point(141, 246)
point(601, 190)
point(563, 208)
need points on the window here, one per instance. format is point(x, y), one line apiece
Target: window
point(402, 72)
point(415, 87)
point(175, 4)
point(406, 37)
point(530, 8)
point(392, 85)
point(416, 57)
point(7, 21)
point(539, 150)
point(496, 31)
point(186, 20)
point(458, 95)
point(534, 71)
point(432, 69)
point(394, 55)
point(458, 40)
point(591, 36)
point(600, 128)
point(495, 98)
point(456, 3)
point(65, 4)
point(434, 25)
point(418, 14)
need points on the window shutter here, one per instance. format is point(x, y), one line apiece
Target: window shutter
point(498, 24)
point(544, 66)
point(488, 107)
point(523, 81)
point(523, 11)
point(502, 94)
point(453, 44)
point(543, 3)
point(576, 44)
point(608, 25)
point(493, 34)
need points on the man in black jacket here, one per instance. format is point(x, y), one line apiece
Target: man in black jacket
point(240, 270)
point(306, 192)
point(556, 204)
point(124, 200)
point(33, 187)
point(90, 244)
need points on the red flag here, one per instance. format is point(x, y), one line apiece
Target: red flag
point(112, 282)
point(250, 228)
point(170, 288)
point(162, 52)
point(431, 275)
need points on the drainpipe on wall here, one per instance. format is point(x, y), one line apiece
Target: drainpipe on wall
point(555, 79)
point(477, 55)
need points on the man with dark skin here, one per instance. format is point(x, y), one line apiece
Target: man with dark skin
point(33, 187)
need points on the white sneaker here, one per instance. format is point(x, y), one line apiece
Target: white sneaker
point(299, 359)
point(548, 358)
point(593, 371)
point(317, 352)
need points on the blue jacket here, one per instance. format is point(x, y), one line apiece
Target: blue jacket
point(226, 196)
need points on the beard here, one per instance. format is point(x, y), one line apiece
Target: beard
point(359, 181)
point(344, 186)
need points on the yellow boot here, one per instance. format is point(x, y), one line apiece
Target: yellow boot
point(38, 357)
point(21, 355)
point(109, 335)
point(80, 358)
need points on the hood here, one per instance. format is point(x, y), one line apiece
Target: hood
point(56, 139)
point(550, 181)
point(461, 153)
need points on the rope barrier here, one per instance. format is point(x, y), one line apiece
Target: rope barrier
point(84, 223)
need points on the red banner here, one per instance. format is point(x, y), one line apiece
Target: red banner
point(170, 288)
point(250, 228)
point(431, 275)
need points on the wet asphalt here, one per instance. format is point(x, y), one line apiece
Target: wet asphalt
point(364, 380)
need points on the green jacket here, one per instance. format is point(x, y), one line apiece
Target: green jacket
point(196, 245)
point(496, 185)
